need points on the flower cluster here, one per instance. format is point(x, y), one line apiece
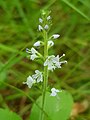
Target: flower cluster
point(30, 81)
point(44, 26)
point(52, 62)
point(36, 78)
point(33, 53)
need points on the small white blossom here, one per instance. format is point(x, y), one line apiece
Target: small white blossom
point(40, 20)
point(36, 44)
point(33, 53)
point(33, 56)
point(49, 63)
point(50, 43)
point(30, 81)
point(54, 92)
point(54, 62)
point(55, 36)
point(46, 27)
point(49, 17)
point(40, 27)
point(38, 76)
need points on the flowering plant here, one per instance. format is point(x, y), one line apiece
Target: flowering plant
point(50, 63)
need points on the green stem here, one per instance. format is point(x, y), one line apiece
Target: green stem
point(45, 73)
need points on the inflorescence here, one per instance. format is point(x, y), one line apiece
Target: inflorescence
point(52, 61)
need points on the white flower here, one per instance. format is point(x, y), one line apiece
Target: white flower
point(50, 43)
point(33, 56)
point(36, 44)
point(53, 62)
point(46, 27)
point(40, 20)
point(30, 81)
point(49, 63)
point(54, 92)
point(49, 17)
point(38, 76)
point(33, 53)
point(55, 36)
point(40, 27)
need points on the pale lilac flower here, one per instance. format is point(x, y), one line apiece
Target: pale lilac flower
point(30, 81)
point(33, 53)
point(38, 76)
point(54, 92)
point(36, 44)
point(40, 20)
point(49, 62)
point(33, 56)
point(55, 36)
point(46, 27)
point(50, 43)
point(40, 27)
point(49, 17)
point(54, 62)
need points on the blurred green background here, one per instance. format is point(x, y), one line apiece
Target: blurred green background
point(18, 30)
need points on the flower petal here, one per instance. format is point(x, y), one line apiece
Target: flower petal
point(36, 44)
point(55, 36)
point(50, 43)
point(30, 81)
point(54, 92)
point(46, 27)
point(40, 20)
point(38, 76)
point(40, 27)
point(49, 17)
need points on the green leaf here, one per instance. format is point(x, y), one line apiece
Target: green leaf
point(5, 114)
point(57, 108)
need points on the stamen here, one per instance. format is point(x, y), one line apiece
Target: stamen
point(62, 56)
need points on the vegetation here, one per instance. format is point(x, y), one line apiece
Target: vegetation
point(18, 30)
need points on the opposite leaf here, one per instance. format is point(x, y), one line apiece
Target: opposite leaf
point(57, 108)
